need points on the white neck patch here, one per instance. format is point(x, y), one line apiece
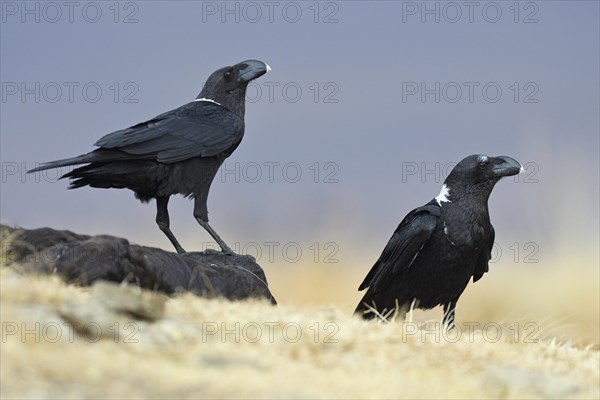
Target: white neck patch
point(443, 196)
point(206, 99)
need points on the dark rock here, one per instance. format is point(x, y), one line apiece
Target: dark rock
point(85, 259)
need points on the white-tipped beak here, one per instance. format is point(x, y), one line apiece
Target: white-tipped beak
point(522, 170)
point(268, 68)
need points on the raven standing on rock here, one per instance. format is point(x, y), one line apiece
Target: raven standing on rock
point(179, 151)
point(437, 248)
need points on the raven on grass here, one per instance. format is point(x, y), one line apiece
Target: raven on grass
point(179, 151)
point(438, 247)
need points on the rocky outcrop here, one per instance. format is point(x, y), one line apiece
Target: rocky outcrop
point(85, 259)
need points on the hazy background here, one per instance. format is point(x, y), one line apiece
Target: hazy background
point(337, 108)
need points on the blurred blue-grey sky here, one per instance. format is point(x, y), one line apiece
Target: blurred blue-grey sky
point(370, 102)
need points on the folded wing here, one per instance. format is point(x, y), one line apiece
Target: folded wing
point(404, 245)
point(197, 129)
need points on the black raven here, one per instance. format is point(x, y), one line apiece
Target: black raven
point(179, 151)
point(438, 247)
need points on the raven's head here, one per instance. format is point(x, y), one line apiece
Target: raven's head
point(477, 174)
point(227, 85)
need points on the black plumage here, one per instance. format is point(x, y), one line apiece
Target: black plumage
point(178, 152)
point(439, 247)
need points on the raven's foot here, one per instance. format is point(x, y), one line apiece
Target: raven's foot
point(162, 219)
point(227, 251)
point(224, 248)
point(448, 319)
point(165, 228)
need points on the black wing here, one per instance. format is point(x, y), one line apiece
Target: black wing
point(199, 128)
point(404, 245)
point(484, 257)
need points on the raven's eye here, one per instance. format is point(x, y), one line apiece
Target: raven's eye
point(228, 75)
point(482, 161)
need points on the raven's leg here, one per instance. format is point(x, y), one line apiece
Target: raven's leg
point(448, 320)
point(201, 215)
point(224, 248)
point(162, 220)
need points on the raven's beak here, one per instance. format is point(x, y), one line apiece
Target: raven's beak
point(506, 166)
point(252, 69)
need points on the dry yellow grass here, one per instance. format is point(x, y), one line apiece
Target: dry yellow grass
point(187, 353)
point(563, 295)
